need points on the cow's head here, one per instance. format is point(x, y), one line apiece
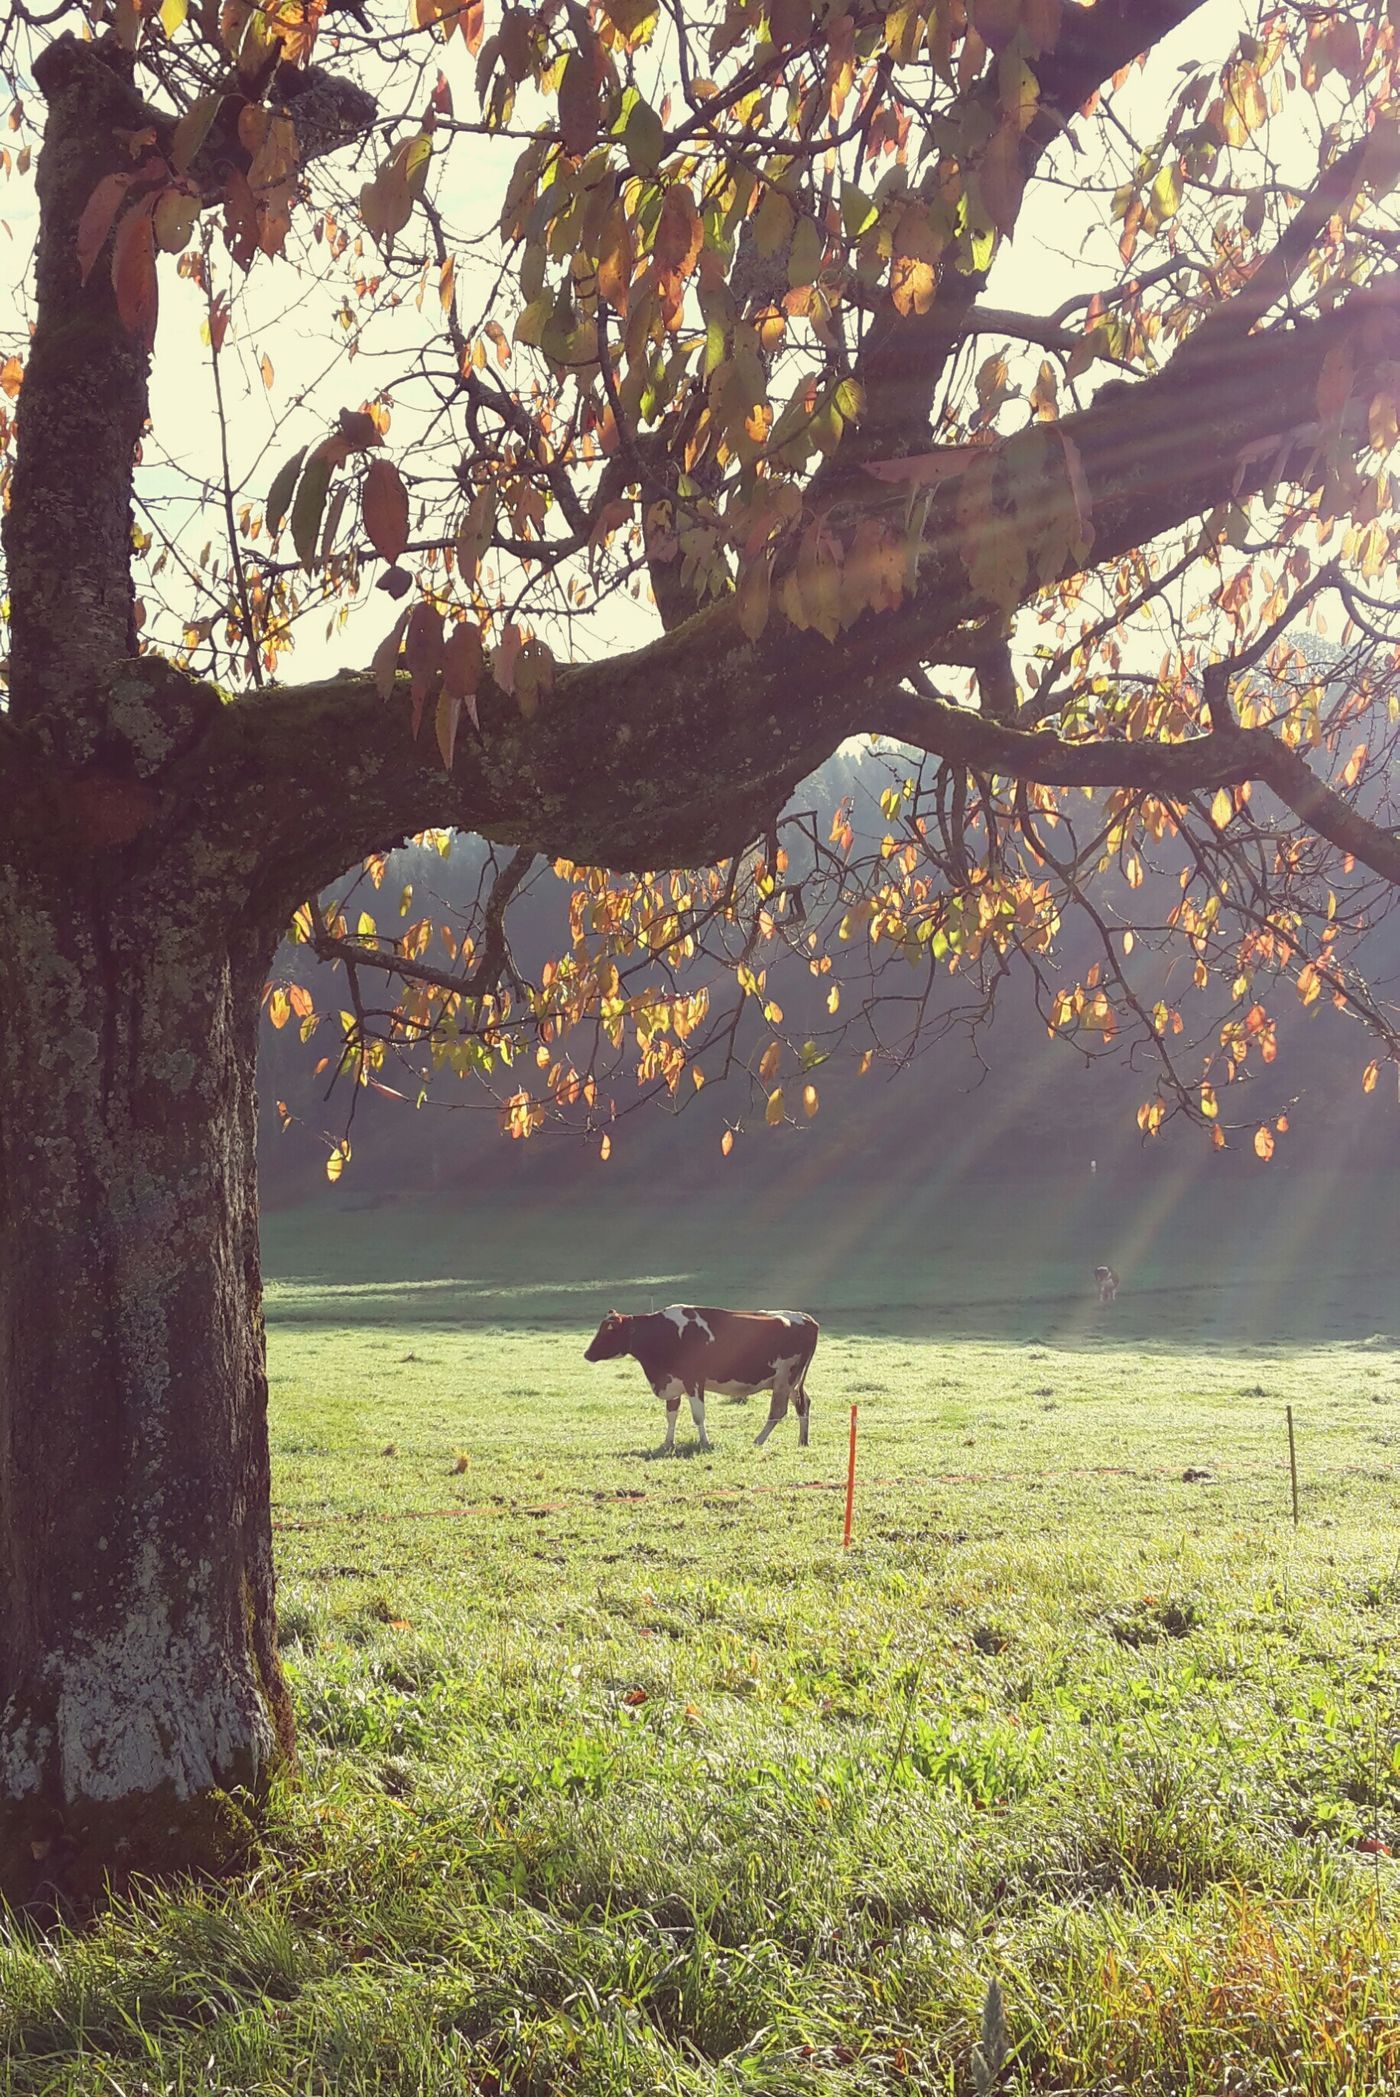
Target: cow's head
point(610, 1340)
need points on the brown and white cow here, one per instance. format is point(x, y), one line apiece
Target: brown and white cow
point(685, 1352)
point(1108, 1284)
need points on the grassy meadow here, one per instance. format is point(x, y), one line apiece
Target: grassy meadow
point(619, 1775)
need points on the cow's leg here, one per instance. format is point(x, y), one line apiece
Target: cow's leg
point(802, 1406)
point(697, 1414)
point(777, 1408)
point(673, 1406)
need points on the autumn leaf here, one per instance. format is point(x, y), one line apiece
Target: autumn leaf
point(358, 429)
point(386, 656)
point(463, 661)
point(449, 709)
point(96, 221)
point(922, 468)
point(1264, 1143)
point(192, 131)
point(678, 232)
point(726, 1142)
point(386, 202)
point(384, 507)
point(914, 261)
point(996, 21)
point(580, 102)
point(1001, 178)
point(643, 137)
point(615, 258)
point(280, 493)
point(309, 504)
point(175, 217)
point(507, 655)
point(423, 652)
point(773, 1113)
point(752, 596)
point(534, 676)
point(134, 273)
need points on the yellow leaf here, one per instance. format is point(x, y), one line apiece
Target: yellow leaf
point(810, 1102)
point(914, 262)
point(769, 1061)
point(605, 1148)
point(1264, 1144)
point(1370, 1076)
point(336, 1162)
point(1222, 808)
point(172, 15)
point(1210, 1106)
point(726, 1142)
point(774, 1112)
point(279, 1009)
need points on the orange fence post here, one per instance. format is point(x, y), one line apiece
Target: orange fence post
point(850, 1483)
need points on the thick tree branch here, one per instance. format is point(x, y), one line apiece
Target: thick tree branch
point(959, 736)
point(681, 752)
point(1323, 810)
point(80, 413)
point(83, 404)
point(904, 356)
point(1279, 269)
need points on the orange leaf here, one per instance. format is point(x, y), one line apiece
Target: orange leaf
point(384, 506)
point(463, 660)
point(134, 274)
point(96, 221)
point(678, 232)
point(1264, 1143)
point(913, 266)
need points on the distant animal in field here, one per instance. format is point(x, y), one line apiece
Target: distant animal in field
point(685, 1352)
point(1108, 1284)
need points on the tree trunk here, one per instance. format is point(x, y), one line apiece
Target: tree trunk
point(140, 1691)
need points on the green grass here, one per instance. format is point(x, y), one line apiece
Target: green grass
point(620, 1776)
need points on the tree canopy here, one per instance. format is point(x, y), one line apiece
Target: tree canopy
point(1012, 382)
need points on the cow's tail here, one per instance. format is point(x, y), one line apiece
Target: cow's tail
point(800, 1386)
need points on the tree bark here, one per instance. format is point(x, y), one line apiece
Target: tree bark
point(140, 1691)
